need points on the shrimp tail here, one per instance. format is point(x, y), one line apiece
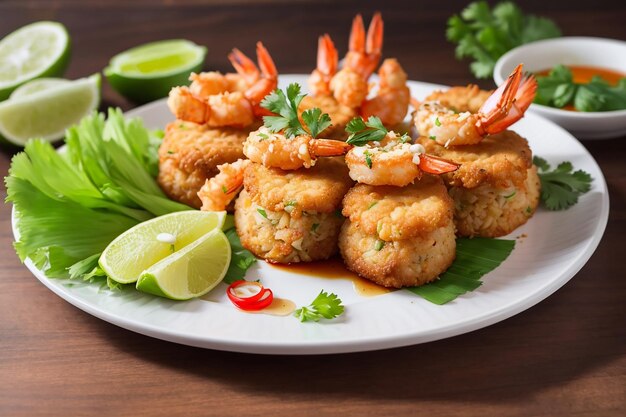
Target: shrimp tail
point(365, 51)
point(328, 147)
point(266, 84)
point(434, 165)
point(244, 66)
point(508, 103)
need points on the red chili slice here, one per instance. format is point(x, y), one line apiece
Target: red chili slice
point(256, 301)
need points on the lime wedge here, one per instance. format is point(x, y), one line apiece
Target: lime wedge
point(37, 85)
point(46, 114)
point(142, 246)
point(192, 271)
point(40, 49)
point(148, 72)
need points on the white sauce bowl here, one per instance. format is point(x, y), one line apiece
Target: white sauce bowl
point(591, 52)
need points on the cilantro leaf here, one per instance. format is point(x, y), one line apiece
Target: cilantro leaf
point(241, 259)
point(316, 121)
point(485, 34)
point(560, 188)
point(286, 106)
point(325, 305)
point(362, 132)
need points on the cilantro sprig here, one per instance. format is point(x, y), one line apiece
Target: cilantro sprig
point(286, 106)
point(485, 34)
point(558, 89)
point(325, 305)
point(362, 131)
point(560, 188)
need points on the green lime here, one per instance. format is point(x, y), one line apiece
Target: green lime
point(142, 246)
point(37, 85)
point(148, 72)
point(40, 49)
point(46, 114)
point(192, 271)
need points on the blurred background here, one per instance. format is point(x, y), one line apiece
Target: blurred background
point(414, 30)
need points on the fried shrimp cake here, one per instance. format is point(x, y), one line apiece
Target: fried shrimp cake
point(292, 216)
point(496, 189)
point(398, 236)
point(190, 154)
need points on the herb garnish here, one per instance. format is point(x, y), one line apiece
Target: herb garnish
point(362, 132)
point(241, 259)
point(485, 35)
point(558, 89)
point(325, 305)
point(286, 106)
point(561, 187)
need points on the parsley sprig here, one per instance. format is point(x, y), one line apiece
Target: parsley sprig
point(362, 131)
point(325, 305)
point(558, 89)
point(286, 106)
point(485, 34)
point(561, 187)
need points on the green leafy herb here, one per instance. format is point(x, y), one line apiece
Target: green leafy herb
point(368, 159)
point(70, 206)
point(262, 212)
point(561, 187)
point(262, 135)
point(362, 132)
point(475, 257)
point(485, 35)
point(558, 89)
point(325, 305)
point(379, 244)
point(224, 189)
point(241, 259)
point(510, 196)
point(432, 137)
point(286, 106)
point(437, 122)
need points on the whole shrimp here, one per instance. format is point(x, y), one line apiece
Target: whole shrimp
point(393, 162)
point(501, 109)
point(273, 150)
point(227, 108)
point(391, 104)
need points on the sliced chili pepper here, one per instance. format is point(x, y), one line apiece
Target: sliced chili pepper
point(256, 301)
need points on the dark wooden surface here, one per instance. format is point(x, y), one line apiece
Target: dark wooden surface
point(563, 357)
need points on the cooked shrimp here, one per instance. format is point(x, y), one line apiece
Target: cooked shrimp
point(393, 163)
point(327, 61)
point(227, 108)
point(275, 150)
point(503, 108)
point(461, 99)
point(391, 103)
point(217, 192)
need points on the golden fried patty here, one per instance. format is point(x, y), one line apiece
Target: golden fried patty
point(317, 189)
point(396, 213)
point(190, 154)
point(500, 160)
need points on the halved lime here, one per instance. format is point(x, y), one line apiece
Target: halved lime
point(144, 245)
point(46, 114)
point(40, 49)
point(37, 85)
point(148, 72)
point(192, 271)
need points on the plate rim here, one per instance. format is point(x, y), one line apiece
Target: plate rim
point(301, 347)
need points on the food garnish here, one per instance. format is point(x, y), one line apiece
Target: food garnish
point(558, 89)
point(249, 295)
point(325, 305)
point(485, 35)
point(561, 187)
point(286, 106)
point(362, 131)
point(241, 259)
point(475, 257)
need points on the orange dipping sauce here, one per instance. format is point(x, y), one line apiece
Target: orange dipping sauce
point(583, 75)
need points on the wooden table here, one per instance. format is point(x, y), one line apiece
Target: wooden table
point(563, 357)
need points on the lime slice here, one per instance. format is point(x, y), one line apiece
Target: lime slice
point(149, 71)
point(140, 247)
point(37, 85)
point(46, 114)
point(192, 271)
point(40, 49)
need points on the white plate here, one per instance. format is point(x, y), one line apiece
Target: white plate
point(557, 245)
